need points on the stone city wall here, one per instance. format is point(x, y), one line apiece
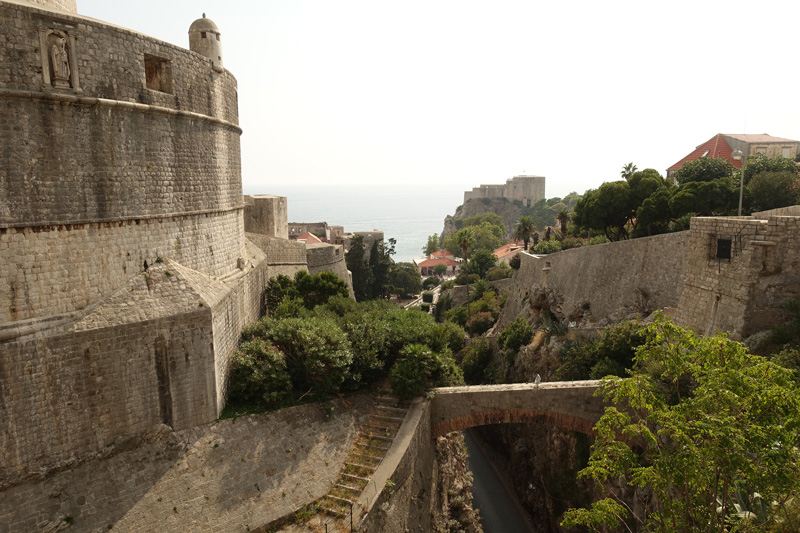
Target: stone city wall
point(56, 269)
point(329, 257)
point(62, 5)
point(266, 215)
point(227, 476)
point(156, 351)
point(638, 275)
point(744, 292)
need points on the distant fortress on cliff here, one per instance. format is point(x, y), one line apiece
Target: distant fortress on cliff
point(527, 189)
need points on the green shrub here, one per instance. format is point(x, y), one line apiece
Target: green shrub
point(258, 373)
point(340, 306)
point(547, 247)
point(572, 242)
point(515, 262)
point(519, 333)
point(449, 284)
point(318, 353)
point(257, 330)
point(466, 279)
point(278, 288)
point(501, 271)
point(449, 335)
point(291, 308)
point(480, 323)
point(611, 354)
point(599, 239)
point(429, 283)
point(427, 296)
point(317, 289)
point(476, 362)
point(419, 368)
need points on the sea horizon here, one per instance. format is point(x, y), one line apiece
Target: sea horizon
point(405, 214)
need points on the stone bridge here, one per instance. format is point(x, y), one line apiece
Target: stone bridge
point(567, 404)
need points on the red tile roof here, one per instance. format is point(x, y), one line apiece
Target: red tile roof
point(437, 261)
point(442, 253)
point(716, 146)
point(309, 237)
point(506, 249)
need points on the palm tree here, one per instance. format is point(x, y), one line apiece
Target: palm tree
point(525, 229)
point(563, 218)
point(628, 170)
point(465, 240)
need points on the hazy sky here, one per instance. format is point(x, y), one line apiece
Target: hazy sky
point(459, 93)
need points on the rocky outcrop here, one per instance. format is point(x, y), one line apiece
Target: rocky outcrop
point(508, 211)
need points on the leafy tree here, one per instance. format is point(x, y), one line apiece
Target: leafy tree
point(420, 368)
point(476, 362)
point(524, 230)
point(704, 169)
point(499, 271)
point(380, 263)
point(770, 190)
point(705, 198)
point(516, 335)
point(318, 289)
point(611, 354)
point(356, 261)
point(440, 270)
point(704, 426)
point(429, 283)
point(317, 353)
point(258, 371)
point(405, 279)
point(493, 219)
point(480, 263)
point(515, 262)
point(605, 209)
point(760, 163)
point(278, 288)
point(432, 245)
point(547, 247)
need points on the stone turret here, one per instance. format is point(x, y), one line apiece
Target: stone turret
point(59, 5)
point(204, 38)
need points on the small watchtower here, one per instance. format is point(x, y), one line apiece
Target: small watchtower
point(204, 38)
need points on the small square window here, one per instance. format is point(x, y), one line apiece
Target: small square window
point(761, 150)
point(203, 34)
point(786, 151)
point(158, 74)
point(723, 248)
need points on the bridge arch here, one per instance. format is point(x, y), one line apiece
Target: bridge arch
point(569, 405)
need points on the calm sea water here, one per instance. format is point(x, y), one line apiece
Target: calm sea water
point(408, 215)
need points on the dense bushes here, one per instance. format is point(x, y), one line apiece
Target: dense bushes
point(609, 355)
point(547, 247)
point(519, 333)
point(300, 353)
point(476, 362)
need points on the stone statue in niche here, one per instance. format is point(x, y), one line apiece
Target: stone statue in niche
point(60, 62)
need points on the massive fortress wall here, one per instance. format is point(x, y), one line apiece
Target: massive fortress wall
point(102, 173)
point(126, 273)
point(526, 189)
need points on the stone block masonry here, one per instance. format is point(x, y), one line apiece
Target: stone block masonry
point(638, 275)
point(741, 272)
point(217, 477)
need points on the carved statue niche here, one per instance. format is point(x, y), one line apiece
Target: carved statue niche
point(58, 59)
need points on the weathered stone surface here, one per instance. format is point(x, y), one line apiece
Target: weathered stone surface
point(222, 477)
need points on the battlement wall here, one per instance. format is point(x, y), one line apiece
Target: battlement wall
point(741, 272)
point(526, 189)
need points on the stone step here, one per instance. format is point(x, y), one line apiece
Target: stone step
point(399, 420)
point(397, 410)
point(364, 479)
point(349, 488)
point(372, 445)
point(370, 458)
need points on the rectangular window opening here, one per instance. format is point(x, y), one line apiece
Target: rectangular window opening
point(724, 248)
point(158, 73)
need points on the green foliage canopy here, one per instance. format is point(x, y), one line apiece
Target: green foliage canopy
point(700, 423)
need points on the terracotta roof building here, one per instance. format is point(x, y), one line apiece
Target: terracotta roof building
point(426, 267)
point(722, 145)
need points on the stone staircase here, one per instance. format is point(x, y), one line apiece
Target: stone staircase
point(369, 449)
